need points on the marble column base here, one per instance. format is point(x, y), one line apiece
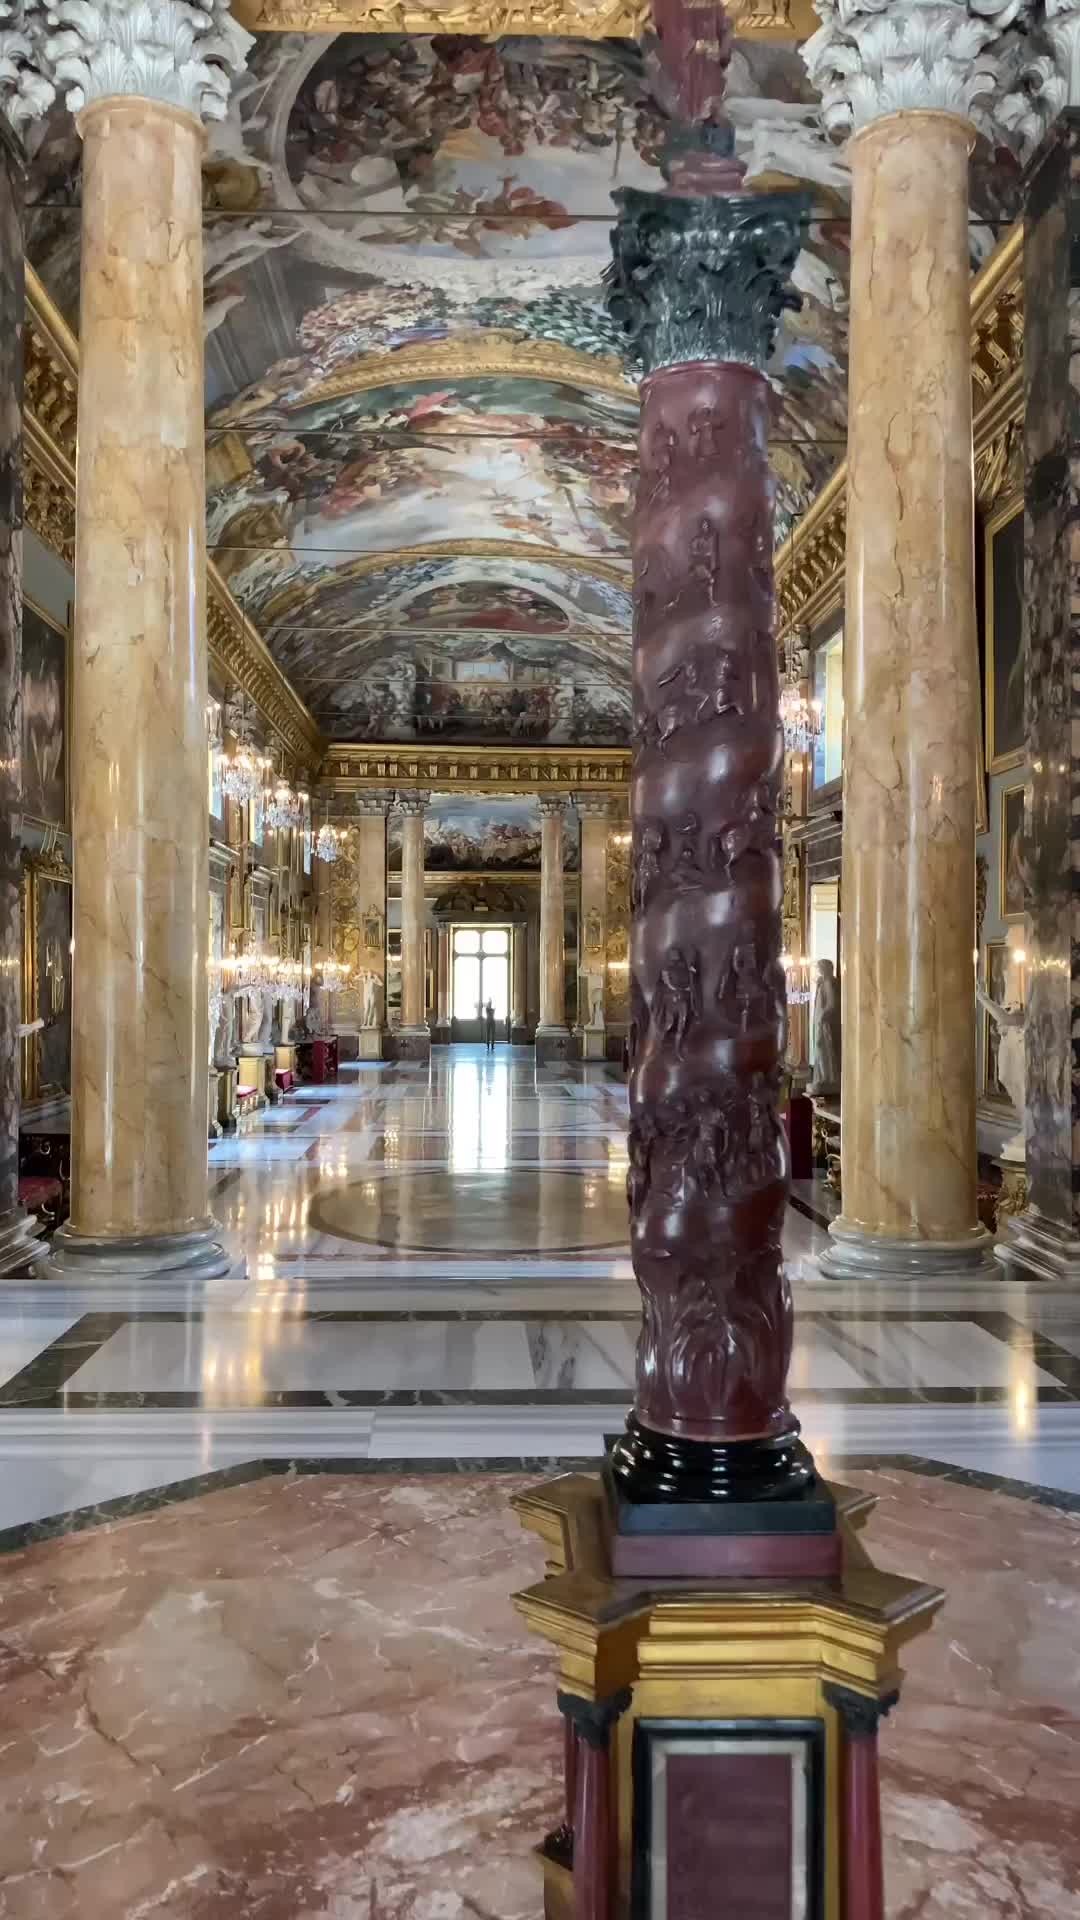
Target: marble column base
point(440, 1033)
point(593, 1043)
point(195, 1255)
point(552, 1045)
point(521, 1034)
point(856, 1257)
point(19, 1239)
point(371, 1044)
point(413, 1043)
point(1032, 1247)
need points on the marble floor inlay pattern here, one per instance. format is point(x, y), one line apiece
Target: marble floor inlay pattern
point(432, 1263)
point(304, 1695)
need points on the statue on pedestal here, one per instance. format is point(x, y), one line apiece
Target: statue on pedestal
point(594, 987)
point(826, 1076)
point(373, 1001)
point(250, 1003)
point(1011, 1066)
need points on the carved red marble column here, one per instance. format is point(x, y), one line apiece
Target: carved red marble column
point(593, 1814)
point(699, 279)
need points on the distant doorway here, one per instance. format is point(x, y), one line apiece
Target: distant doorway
point(479, 972)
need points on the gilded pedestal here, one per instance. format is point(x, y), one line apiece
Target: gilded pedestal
point(140, 1043)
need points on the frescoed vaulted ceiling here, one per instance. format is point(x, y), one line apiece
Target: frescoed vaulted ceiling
point(420, 427)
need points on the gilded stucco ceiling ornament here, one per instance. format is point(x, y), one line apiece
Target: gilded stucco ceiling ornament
point(185, 53)
point(485, 355)
point(873, 57)
point(26, 87)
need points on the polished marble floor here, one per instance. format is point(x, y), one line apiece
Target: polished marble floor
point(430, 1264)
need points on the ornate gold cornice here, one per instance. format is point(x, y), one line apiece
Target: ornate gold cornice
point(483, 356)
point(576, 19)
point(51, 354)
point(810, 564)
point(348, 769)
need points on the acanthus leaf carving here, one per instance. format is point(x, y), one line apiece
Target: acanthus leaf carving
point(184, 53)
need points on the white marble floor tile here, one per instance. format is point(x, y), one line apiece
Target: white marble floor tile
point(253, 1150)
point(238, 1356)
point(23, 1335)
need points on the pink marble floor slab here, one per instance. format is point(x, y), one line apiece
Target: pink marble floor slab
point(310, 1697)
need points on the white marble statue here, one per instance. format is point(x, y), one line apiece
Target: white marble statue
point(594, 986)
point(1011, 1068)
point(251, 1014)
point(826, 1075)
point(373, 992)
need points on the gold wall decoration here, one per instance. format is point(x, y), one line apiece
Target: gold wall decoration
point(49, 423)
point(46, 975)
point(349, 768)
point(810, 564)
point(617, 942)
point(485, 354)
point(577, 19)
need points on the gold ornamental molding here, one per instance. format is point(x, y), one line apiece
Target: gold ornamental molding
point(810, 564)
point(349, 769)
point(486, 355)
point(50, 408)
point(573, 19)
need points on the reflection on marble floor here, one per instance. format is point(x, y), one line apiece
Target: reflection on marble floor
point(433, 1264)
point(364, 1728)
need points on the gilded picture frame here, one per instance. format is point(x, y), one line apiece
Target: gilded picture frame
point(46, 978)
point(1004, 632)
point(995, 981)
point(1011, 903)
point(36, 780)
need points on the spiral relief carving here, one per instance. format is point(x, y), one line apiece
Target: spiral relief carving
point(708, 1172)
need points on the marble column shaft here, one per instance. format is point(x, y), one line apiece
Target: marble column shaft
point(593, 812)
point(1044, 1241)
point(520, 986)
point(16, 1235)
point(369, 830)
point(910, 712)
point(414, 1033)
point(139, 1174)
point(552, 1035)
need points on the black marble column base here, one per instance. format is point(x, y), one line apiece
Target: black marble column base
point(552, 1045)
point(193, 1255)
point(666, 1483)
point(20, 1240)
point(1032, 1247)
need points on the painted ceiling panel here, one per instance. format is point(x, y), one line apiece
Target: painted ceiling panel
point(420, 429)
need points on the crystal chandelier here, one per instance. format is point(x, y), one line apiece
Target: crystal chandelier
point(284, 807)
point(243, 771)
point(328, 842)
point(801, 720)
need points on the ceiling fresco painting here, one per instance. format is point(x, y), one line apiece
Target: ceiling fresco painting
point(420, 425)
point(493, 835)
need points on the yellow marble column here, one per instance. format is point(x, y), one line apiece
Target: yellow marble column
point(139, 1204)
point(441, 1036)
point(520, 984)
point(369, 868)
point(552, 1033)
point(593, 811)
point(413, 1035)
point(910, 681)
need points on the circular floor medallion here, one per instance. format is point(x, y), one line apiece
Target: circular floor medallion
point(553, 1211)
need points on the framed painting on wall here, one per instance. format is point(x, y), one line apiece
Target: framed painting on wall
point(45, 700)
point(996, 982)
point(1011, 881)
point(46, 1060)
point(1004, 602)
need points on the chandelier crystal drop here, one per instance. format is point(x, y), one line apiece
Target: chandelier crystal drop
point(242, 773)
point(327, 843)
point(801, 720)
point(284, 808)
